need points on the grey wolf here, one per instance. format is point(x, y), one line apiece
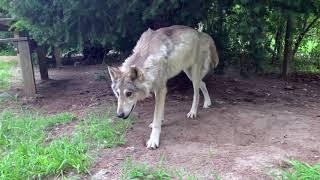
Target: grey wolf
point(158, 56)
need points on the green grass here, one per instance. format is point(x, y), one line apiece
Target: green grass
point(5, 73)
point(25, 152)
point(136, 171)
point(301, 171)
point(99, 129)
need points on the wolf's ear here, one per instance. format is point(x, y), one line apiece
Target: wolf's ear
point(136, 73)
point(114, 73)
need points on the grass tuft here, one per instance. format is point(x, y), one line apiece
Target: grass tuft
point(301, 171)
point(134, 170)
point(5, 73)
point(99, 129)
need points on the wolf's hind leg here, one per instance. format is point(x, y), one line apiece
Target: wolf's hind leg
point(194, 75)
point(207, 101)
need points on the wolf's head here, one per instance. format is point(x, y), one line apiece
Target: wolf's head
point(127, 85)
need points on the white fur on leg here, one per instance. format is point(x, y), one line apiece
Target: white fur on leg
point(153, 142)
point(151, 125)
point(207, 101)
point(162, 119)
point(193, 112)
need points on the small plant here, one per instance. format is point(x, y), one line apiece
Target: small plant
point(134, 170)
point(301, 171)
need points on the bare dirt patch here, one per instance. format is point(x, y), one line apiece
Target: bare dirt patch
point(251, 128)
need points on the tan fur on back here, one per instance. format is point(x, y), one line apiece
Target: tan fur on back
point(169, 47)
point(151, 41)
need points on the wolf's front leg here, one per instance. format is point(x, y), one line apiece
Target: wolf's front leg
point(196, 86)
point(162, 119)
point(195, 103)
point(160, 96)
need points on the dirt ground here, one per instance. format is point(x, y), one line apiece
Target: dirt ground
point(253, 125)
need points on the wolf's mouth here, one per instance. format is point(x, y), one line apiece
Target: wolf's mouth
point(130, 112)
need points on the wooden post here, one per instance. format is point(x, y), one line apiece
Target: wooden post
point(15, 43)
point(25, 63)
point(26, 67)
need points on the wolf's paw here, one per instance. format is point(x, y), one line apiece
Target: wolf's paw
point(206, 104)
point(153, 143)
point(192, 115)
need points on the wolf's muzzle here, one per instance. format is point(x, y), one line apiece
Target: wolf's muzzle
point(122, 115)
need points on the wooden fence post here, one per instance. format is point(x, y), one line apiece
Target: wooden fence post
point(26, 67)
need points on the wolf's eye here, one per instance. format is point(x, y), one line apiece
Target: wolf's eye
point(128, 94)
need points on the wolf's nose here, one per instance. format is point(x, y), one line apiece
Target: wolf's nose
point(120, 115)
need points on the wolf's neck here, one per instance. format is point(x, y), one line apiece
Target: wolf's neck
point(135, 59)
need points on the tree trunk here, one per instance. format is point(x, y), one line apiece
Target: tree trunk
point(57, 55)
point(278, 43)
point(287, 53)
point(42, 60)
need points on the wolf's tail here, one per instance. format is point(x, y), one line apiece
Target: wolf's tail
point(214, 55)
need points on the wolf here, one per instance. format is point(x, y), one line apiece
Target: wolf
point(158, 56)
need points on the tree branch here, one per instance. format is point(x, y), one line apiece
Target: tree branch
point(302, 34)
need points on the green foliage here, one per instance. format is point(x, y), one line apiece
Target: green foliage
point(110, 22)
point(5, 48)
point(304, 64)
point(301, 171)
point(247, 32)
point(5, 73)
